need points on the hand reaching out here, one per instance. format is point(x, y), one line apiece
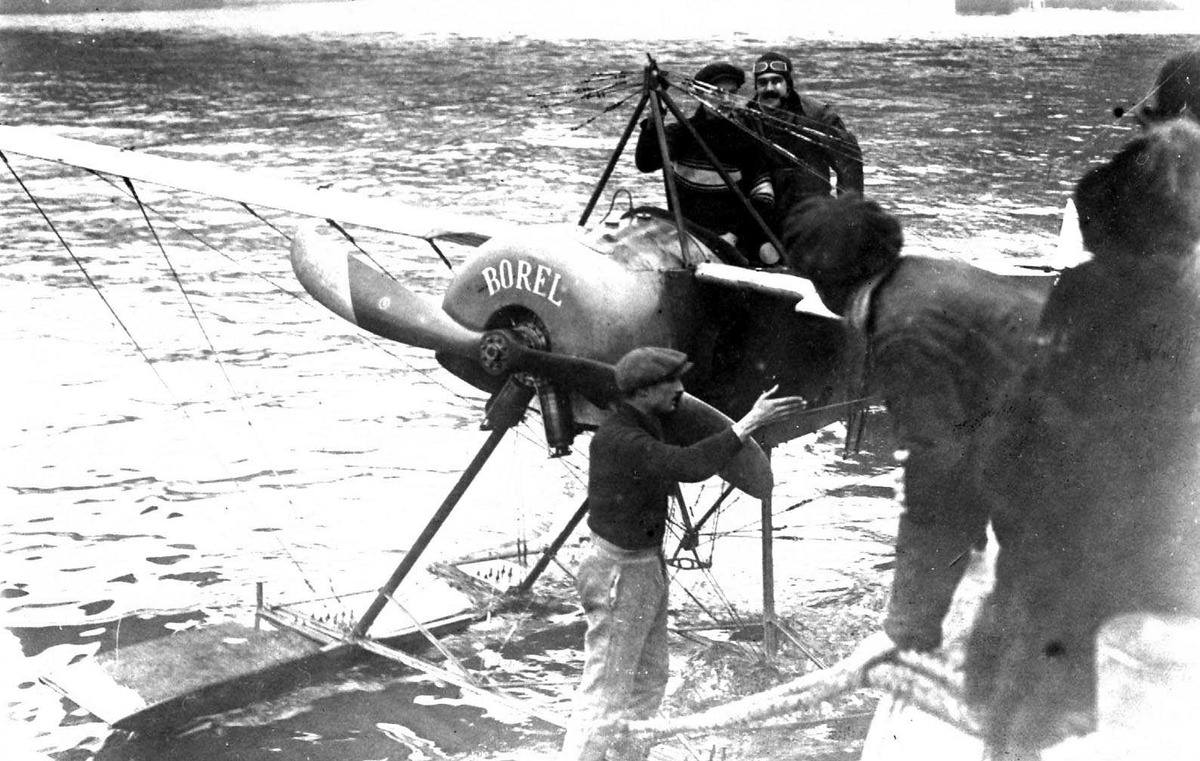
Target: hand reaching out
point(768, 410)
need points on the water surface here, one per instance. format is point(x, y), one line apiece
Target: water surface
point(159, 461)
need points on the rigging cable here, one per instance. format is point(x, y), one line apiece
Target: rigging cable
point(238, 397)
point(299, 297)
point(719, 102)
point(94, 285)
point(262, 219)
point(178, 404)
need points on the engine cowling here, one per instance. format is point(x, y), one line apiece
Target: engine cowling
point(594, 295)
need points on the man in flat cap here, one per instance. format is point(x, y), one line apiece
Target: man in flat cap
point(622, 581)
point(812, 139)
point(704, 198)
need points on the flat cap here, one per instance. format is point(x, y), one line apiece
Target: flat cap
point(648, 365)
point(715, 72)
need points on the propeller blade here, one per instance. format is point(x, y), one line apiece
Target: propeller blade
point(694, 419)
point(374, 301)
point(503, 352)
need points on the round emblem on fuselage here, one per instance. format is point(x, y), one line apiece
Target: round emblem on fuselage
point(385, 302)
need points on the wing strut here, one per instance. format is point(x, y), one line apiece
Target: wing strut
point(501, 417)
point(654, 93)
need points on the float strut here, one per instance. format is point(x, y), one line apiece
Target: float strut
point(431, 529)
point(549, 553)
point(770, 634)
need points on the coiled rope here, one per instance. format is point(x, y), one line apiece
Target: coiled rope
point(923, 680)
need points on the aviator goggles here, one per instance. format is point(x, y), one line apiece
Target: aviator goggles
point(762, 66)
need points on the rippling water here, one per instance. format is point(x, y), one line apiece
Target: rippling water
point(265, 439)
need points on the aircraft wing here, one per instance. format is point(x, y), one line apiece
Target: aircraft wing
point(243, 187)
point(778, 284)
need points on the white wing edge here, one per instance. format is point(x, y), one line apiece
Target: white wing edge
point(778, 284)
point(243, 187)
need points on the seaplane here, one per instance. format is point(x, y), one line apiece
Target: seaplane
point(535, 317)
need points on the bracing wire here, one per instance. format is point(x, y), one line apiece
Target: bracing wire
point(265, 221)
point(523, 431)
point(178, 404)
point(741, 111)
point(238, 397)
point(87, 276)
point(706, 569)
point(575, 94)
point(299, 297)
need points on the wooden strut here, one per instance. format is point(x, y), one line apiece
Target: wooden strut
point(614, 157)
point(659, 96)
point(654, 94)
point(435, 523)
point(770, 638)
point(459, 676)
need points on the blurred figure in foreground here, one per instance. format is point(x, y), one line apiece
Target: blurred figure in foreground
point(1093, 471)
point(1176, 91)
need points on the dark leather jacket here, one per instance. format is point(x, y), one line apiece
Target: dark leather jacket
point(819, 144)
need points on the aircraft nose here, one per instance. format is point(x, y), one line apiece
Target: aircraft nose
point(373, 300)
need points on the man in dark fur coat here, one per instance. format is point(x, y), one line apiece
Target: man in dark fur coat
point(941, 340)
point(1093, 470)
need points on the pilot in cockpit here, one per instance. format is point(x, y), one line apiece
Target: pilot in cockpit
point(704, 198)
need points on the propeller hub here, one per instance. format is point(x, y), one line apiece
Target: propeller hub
point(498, 349)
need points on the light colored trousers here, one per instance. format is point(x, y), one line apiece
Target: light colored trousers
point(626, 661)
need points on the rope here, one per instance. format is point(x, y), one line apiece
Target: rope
point(921, 679)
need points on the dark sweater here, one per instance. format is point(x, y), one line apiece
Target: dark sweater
point(633, 472)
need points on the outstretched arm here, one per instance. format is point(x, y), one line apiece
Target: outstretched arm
point(768, 410)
